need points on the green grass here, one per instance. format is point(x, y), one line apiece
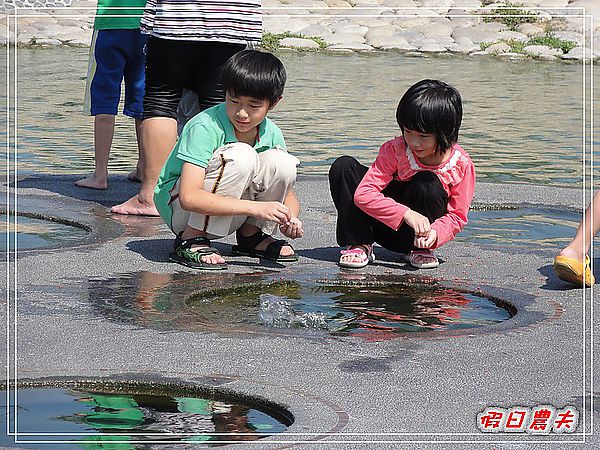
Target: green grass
point(507, 15)
point(553, 42)
point(270, 41)
point(549, 40)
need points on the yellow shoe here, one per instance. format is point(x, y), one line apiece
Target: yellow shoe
point(574, 271)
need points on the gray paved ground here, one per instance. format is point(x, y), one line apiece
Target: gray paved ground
point(408, 392)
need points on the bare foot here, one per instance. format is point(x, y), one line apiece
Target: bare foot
point(569, 252)
point(134, 176)
point(135, 207)
point(93, 182)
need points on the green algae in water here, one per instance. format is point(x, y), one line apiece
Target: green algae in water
point(348, 308)
point(121, 420)
point(36, 232)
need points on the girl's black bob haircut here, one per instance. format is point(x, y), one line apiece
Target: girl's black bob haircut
point(432, 106)
point(256, 74)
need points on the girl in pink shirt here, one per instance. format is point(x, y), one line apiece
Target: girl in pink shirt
point(416, 195)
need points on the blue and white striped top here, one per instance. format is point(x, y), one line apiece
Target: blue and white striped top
point(234, 21)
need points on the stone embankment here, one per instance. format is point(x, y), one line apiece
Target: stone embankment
point(542, 29)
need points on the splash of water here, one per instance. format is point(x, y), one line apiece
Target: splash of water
point(276, 311)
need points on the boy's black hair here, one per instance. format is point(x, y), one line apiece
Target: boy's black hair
point(256, 74)
point(432, 106)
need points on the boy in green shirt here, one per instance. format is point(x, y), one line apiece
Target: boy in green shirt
point(230, 171)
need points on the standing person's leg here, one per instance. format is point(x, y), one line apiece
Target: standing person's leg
point(103, 91)
point(354, 227)
point(167, 68)
point(134, 75)
point(573, 264)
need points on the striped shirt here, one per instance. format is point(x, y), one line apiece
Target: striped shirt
point(233, 21)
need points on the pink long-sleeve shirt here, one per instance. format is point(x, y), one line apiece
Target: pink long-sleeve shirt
point(396, 161)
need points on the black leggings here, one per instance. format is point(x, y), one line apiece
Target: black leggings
point(174, 65)
point(423, 193)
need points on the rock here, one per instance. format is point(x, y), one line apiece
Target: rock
point(578, 53)
point(500, 47)
point(463, 18)
point(354, 46)
point(316, 30)
point(440, 6)
point(512, 56)
point(390, 42)
point(349, 27)
point(530, 29)
point(463, 48)
point(46, 42)
point(411, 36)
point(475, 34)
point(364, 3)
point(569, 36)
point(541, 51)
point(387, 30)
point(298, 43)
point(430, 47)
point(338, 4)
point(513, 36)
point(277, 25)
point(344, 38)
point(592, 8)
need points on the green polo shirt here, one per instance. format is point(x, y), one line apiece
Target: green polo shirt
point(130, 11)
point(201, 136)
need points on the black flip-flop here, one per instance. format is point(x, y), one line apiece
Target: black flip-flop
point(246, 246)
point(195, 258)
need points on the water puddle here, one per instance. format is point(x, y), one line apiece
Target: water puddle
point(371, 307)
point(36, 232)
point(121, 417)
point(520, 227)
point(353, 309)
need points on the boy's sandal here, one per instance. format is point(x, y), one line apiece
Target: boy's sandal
point(246, 246)
point(184, 255)
point(423, 259)
point(574, 271)
point(356, 251)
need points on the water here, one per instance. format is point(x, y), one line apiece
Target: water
point(522, 120)
point(129, 418)
point(355, 309)
point(37, 233)
point(529, 228)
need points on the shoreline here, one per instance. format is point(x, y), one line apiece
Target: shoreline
point(416, 28)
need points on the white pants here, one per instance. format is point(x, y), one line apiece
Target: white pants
point(237, 171)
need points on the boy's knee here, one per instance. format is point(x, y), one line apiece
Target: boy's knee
point(241, 156)
point(280, 164)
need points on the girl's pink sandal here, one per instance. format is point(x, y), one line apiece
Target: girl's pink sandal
point(415, 255)
point(358, 252)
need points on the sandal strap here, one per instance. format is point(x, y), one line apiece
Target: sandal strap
point(250, 242)
point(273, 250)
point(205, 248)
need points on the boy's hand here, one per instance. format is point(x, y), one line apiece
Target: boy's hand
point(273, 211)
point(417, 222)
point(426, 241)
point(293, 229)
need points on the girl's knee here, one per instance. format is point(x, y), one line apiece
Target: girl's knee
point(341, 165)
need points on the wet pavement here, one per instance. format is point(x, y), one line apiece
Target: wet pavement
point(114, 307)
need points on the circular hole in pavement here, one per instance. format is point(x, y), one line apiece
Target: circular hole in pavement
point(99, 414)
point(36, 231)
point(349, 308)
point(520, 227)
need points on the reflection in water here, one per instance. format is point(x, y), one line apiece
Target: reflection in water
point(341, 104)
point(522, 227)
point(351, 309)
point(37, 233)
point(126, 419)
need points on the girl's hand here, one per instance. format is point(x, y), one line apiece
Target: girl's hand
point(273, 211)
point(293, 229)
point(426, 241)
point(417, 222)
